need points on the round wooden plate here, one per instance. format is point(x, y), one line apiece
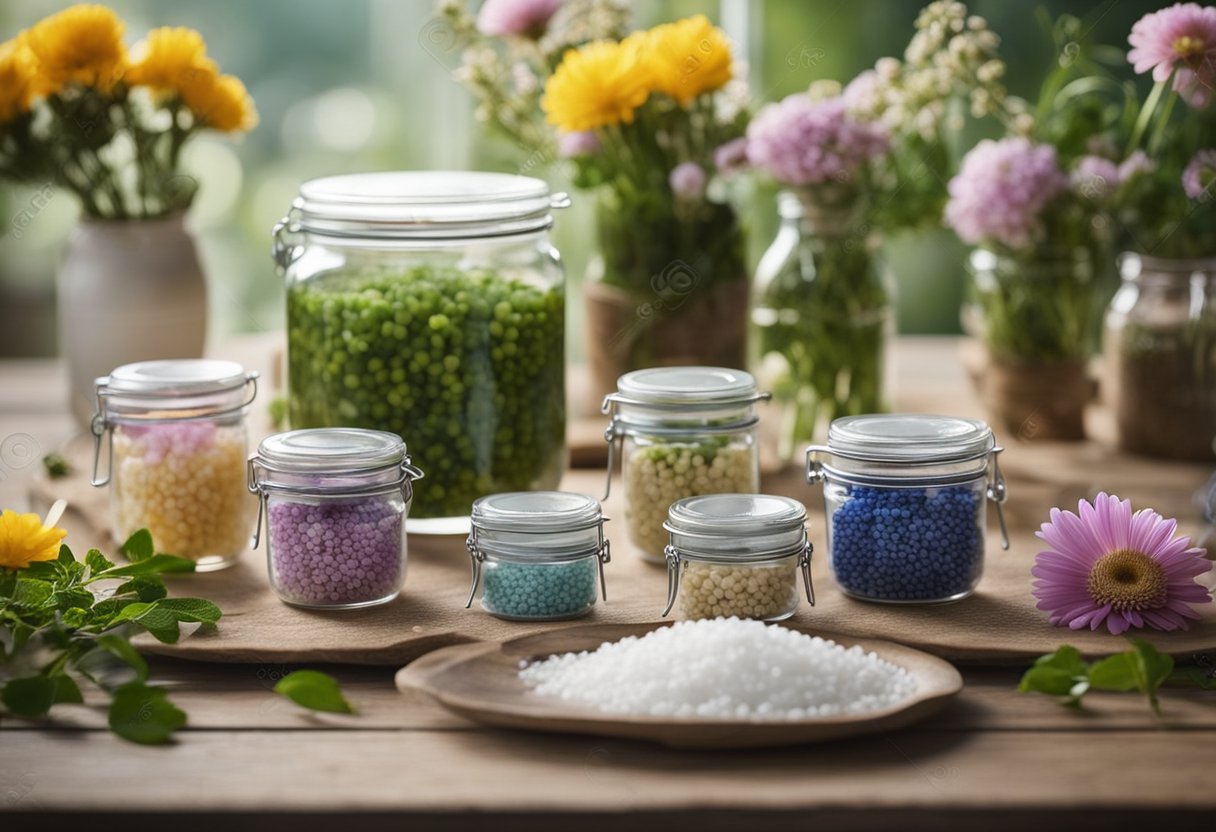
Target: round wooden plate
point(481, 683)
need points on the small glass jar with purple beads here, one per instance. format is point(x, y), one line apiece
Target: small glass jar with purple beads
point(905, 496)
point(335, 502)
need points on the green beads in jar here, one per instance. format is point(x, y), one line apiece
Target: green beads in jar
point(468, 364)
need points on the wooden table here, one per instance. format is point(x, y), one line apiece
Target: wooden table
point(249, 760)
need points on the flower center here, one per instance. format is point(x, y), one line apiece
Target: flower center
point(1127, 580)
point(1188, 47)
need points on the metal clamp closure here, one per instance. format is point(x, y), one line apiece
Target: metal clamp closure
point(675, 569)
point(285, 249)
point(409, 473)
point(100, 424)
point(617, 428)
point(602, 555)
point(997, 492)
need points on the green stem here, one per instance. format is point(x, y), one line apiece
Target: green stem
point(1146, 115)
point(1154, 142)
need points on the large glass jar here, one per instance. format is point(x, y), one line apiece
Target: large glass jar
point(905, 498)
point(822, 315)
point(684, 431)
point(431, 305)
point(177, 445)
point(537, 556)
point(737, 555)
point(335, 502)
point(1160, 351)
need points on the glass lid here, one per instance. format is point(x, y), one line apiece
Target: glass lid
point(425, 203)
point(909, 437)
point(536, 512)
point(331, 450)
point(683, 385)
point(741, 515)
point(175, 377)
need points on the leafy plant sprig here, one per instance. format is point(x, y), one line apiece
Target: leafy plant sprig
point(314, 690)
point(62, 620)
point(1065, 674)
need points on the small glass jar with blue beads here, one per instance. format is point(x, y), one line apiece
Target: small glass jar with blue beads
point(537, 555)
point(906, 497)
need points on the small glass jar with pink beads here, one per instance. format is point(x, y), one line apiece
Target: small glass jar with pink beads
point(176, 453)
point(334, 501)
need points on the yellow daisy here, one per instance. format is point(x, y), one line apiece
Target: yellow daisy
point(17, 71)
point(82, 45)
point(220, 102)
point(688, 57)
point(169, 59)
point(25, 538)
point(599, 84)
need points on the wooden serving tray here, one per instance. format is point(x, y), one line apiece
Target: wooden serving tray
point(998, 624)
point(480, 682)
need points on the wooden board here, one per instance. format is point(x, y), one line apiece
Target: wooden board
point(481, 683)
point(999, 623)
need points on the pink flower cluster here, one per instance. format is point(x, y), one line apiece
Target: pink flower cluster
point(798, 141)
point(1001, 190)
point(1199, 178)
point(161, 439)
point(499, 18)
point(1180, 38)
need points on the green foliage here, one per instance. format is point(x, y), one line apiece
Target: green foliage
point(314, 690)
point(55, 631)
point(56, 466)
point(1065, 674)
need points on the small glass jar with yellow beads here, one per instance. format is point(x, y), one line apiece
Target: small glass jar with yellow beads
point(177, 447)
point(737, 555)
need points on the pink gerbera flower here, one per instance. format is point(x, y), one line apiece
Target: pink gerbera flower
point(1180, 38)
point(499, 18)
point(1109, 565)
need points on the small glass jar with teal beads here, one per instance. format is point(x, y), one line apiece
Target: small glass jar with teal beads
point(905, 495)
point(537, 555)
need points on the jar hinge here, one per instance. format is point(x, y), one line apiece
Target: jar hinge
point(476, 556)
point(251, 483)
point(804, 561)
point(673, 576)
point(997, 492)
point(604, 555)
point(814, 465)
point(100, 427)
point(285, 250)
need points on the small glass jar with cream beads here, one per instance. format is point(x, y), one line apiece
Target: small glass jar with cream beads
point(683, 431)
point(737, 555)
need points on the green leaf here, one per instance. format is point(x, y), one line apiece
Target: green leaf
point(32, 594)
point(161, 624)
point(122, 649)
point(29, 696)
point(66, 690)
point(8, 582)
point(192, 609)
point(145, 587)
point(138, 546)
point(96, 561)
point(65, 554)
point(155, 565)
point(75, 617)
point(1154, 667)
point(1119, 672)
point(66, 599)
point(1056, 674)
point(144, 714)
point(56, 466)
point(314, 690)
point(1192, 677)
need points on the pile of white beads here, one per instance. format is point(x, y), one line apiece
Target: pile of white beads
point(767, 591)
point(724, 668)
point(657, 475)
point(185, 483)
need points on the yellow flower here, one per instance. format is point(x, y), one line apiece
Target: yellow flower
point(688, 57)
point(24, 538)
point(599, 84)
point(169, 59)
point(220, 102)
point(16, 79)
point(81, 44)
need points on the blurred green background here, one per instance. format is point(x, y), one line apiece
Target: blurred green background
point(365, 85)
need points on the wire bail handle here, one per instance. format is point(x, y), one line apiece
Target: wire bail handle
point(409, 474)
point(285, 249)
point(997, 492)
point(675, 572)
point(603, 554)
point(100, 424)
